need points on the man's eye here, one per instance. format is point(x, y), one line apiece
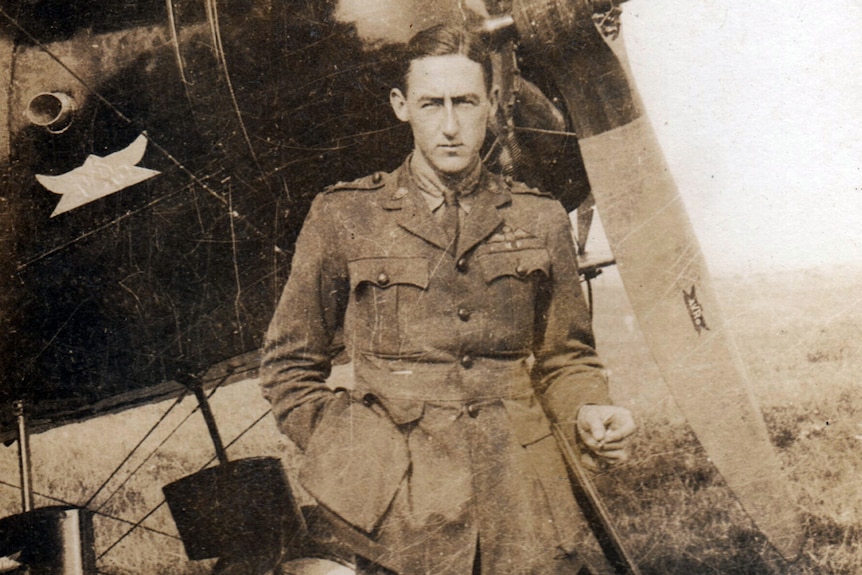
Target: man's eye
point(432, 104)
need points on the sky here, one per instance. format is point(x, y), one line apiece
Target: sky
point(758, 109)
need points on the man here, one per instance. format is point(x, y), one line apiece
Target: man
point(459, 299)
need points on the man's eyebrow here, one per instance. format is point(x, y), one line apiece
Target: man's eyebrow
point(455, 98)
point(470, 96)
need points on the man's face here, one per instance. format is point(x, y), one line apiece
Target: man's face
point(447, 106)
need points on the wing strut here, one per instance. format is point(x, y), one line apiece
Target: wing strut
point(197, 387)
point(235, 510)
point(25, 464)
point(56, 540)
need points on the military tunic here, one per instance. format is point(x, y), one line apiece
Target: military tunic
point(442, 451)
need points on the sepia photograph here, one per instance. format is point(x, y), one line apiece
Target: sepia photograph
point(453, 287)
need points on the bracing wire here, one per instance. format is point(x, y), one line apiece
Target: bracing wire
point(146, 459)
point(135, 525)
point(135, 449)
point(212, 17)
point(99, 513)
point(175, 40)
point(155, 450)
point(139, 523)
point(162, 502)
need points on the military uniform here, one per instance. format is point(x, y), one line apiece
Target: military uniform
point(442, 453)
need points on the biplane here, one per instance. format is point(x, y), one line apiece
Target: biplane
point(158, 158)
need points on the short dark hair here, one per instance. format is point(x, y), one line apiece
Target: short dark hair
point(445, 40)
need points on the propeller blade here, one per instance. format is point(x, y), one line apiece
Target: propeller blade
point(671, 292)
point(660, 260)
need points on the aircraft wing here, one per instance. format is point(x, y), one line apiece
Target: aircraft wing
point(154, 173)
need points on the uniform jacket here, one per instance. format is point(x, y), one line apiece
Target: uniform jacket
point(461, 357)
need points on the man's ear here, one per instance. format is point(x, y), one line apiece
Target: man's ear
point(399, 104)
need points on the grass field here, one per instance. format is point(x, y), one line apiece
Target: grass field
point(799, 334)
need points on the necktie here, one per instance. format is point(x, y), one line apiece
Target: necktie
point(450, 218)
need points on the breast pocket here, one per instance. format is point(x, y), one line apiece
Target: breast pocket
point(511, 279)
point(380, 289)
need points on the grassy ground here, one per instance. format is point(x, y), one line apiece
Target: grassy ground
point(798, 334)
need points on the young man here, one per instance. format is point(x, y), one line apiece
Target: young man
point(459, 298)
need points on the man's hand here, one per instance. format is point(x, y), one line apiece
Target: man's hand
point(605, 430)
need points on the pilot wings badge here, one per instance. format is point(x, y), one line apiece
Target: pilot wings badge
point(99, 177)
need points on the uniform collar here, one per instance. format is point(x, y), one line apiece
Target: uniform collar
point(434, 187)
point(414, 214)
point(398, 197)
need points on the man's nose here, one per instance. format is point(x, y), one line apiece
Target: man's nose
point(450, 120)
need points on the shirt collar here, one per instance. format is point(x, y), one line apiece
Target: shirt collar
point(431, 185)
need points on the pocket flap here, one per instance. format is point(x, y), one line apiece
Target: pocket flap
point(385, 272)
point(517, 263)
point(354, 463)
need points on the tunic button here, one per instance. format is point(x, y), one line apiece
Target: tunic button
point(464, 314)
point(377, 177)
point(462, 266)
point(473, 410)
point(383, 279)
point(467, 361)
point(521, 270)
